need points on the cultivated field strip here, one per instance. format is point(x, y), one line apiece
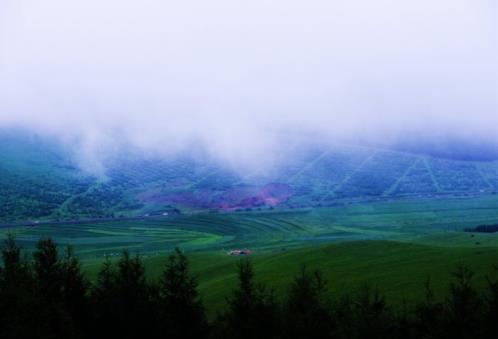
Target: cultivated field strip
point(408, 219)
point(37, 184)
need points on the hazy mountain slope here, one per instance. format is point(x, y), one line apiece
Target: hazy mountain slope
point(38, 180)
point(36, 177)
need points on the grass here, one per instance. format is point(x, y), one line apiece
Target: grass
point(382, 218)
point(426, 221)
point(398, 270)
point(394, 245)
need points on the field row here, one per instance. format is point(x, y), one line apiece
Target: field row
point(37, 182)
point(413, 219)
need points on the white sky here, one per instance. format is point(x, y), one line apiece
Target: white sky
point(234, 76)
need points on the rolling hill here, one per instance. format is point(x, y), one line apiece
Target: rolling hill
point(359, 214)
point(39, 181)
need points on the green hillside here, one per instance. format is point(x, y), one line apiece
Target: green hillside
point(399, 270)
point(422, 220)
point(39, 180)
point(360, 214)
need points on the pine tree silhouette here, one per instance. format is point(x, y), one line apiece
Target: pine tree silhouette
point(429, 315)
point(308, 313)
point(373, 319)
point(102, 299)
point(491, 309)
point(463, 307)
point(16, 287)
point(252, 311)
point(52, 317)
point(182, 312)
point(75, 292)
point(132, 299)
point(49, 297)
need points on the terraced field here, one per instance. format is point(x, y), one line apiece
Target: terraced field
point(358, 213)
point(318, 177)
point(426, 221)
point(40, 181)
point(157, 235)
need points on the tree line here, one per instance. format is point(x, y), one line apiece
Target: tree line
point(483, 229)
point(46, 295)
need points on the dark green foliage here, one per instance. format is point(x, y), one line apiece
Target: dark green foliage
point(307, 312)
point(122, 299)
point(464, 307)
point(483, 229)
point(49, 297)
point(429, 315)
point(491, 310)
point(16, 283)
point(252, 311)
point(48, 271)
point(51, 317)
point(373, 319)
point(75, 289)
point(181, 310)
point(102, 299)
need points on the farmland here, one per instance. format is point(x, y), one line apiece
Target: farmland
point(321, 194)
point(39, 181)
point(393, 246)
point(398, 270)
point(358, 213)
point(406, 220)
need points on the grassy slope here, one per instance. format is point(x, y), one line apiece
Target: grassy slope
point(399, 270)
point(40, 181)
point(428, 221)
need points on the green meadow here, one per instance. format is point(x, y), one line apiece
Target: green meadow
point(398, 270)
point(439, 222)
point(360, 215)
point(394, 245)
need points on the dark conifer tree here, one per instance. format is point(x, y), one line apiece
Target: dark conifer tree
point(49, 298)
point(75, 290)
point(16, 287)
point(373, 319)
point(308, 313)
point(102, 300)
point(491, 310)
point(464, 307)
point(53, 321)
point(403, 323)
point(252, 311)
point(48, 270)
point(344, 315)
point(429, 315)
point(126, 309)
point(181, 310)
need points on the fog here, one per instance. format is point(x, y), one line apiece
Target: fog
point(240, 80)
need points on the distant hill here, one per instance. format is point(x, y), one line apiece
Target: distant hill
point(454, 148)
point(39, 181)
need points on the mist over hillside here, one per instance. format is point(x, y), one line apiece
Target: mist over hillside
point(41, 178)
point(238, 86)
point(451, 147)
point(345, 143)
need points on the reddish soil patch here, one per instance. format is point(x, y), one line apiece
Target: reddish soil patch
point(228, 200)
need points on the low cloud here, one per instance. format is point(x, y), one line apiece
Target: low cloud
point(239, 80)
